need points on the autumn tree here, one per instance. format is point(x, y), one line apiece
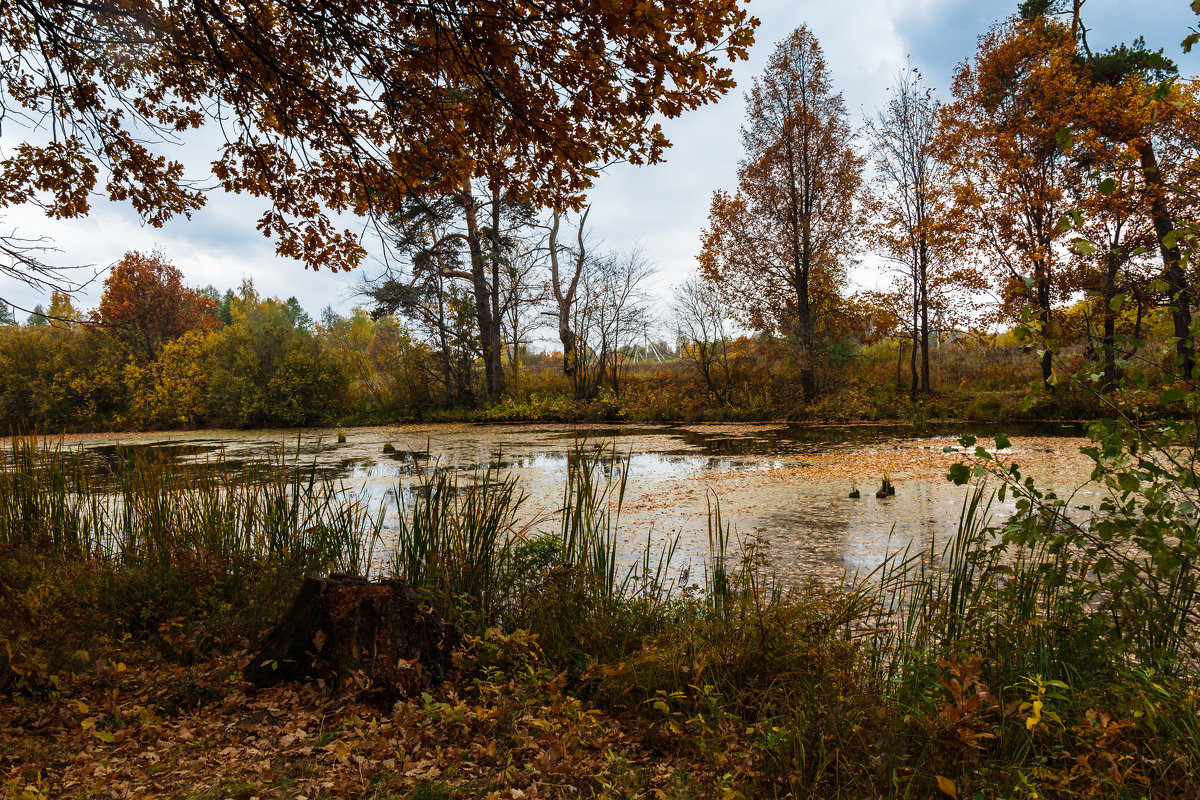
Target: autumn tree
point(1130, 110)
point(1110, 263)
point(1001, 136)
point(147, 305)
point(174, 390)
point(1134, 110)
point(343, 107)
point(777, 248)
point(913, 223)
point(62, 313)
point(269, 370)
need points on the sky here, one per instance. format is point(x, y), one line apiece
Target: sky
point(660, 208)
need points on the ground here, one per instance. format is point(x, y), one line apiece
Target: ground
point(144, 727)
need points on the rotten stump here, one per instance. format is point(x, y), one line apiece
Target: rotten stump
point(382, 636)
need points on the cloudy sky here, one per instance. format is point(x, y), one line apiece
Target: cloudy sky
point(660, 208)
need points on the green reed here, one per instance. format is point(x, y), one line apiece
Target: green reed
point(150, 510)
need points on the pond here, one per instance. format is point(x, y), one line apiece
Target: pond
point(786, 484)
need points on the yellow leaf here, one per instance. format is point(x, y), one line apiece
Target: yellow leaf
point(947, 787)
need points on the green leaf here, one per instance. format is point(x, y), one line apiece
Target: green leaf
point(1172, 395)
point(1107, 186)
point(1128, 482)
point(1002, 442)
point(1116, 303)
point(1162, 90)
point(960, 474)
point(1064, 139)
point(967, 440)
point(1081, 246)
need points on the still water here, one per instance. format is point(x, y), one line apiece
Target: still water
point(788, 485)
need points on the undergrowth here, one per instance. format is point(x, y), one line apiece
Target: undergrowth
point(1004, 662)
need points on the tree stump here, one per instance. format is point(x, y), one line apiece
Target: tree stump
point(380, 635)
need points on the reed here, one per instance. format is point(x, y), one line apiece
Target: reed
point(171, 529)
point(456, 541)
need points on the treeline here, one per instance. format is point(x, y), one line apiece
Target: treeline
point(158, 354)
point(1042, 197)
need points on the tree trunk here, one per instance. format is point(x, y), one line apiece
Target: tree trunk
point(804, 332)
point(1042, 288)
point(912, 363)
point(380, 637)
point(1164, 224)
point(1109, 340)
point(497, 388)
point(488, 341)
point(926, 387)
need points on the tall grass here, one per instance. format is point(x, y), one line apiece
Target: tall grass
point(149, 509)
point(456, 541)
point(169, 531)
point(464, 541)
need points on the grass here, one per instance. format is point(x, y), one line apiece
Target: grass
point(200, 551)
point(974, 669)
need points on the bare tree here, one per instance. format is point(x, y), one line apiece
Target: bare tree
point(609, 318)
point(702, 335)
point(909, 180)
point(520, 291)
point(564, 285)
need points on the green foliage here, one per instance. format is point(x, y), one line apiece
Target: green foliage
point(270, 371)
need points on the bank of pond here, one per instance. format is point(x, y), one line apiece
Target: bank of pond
point(692, 611)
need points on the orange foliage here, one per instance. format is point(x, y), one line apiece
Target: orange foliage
point(145, 299)
point(777, 250)
point(348, 106)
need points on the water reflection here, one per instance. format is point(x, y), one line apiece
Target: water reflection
point(785, 483)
